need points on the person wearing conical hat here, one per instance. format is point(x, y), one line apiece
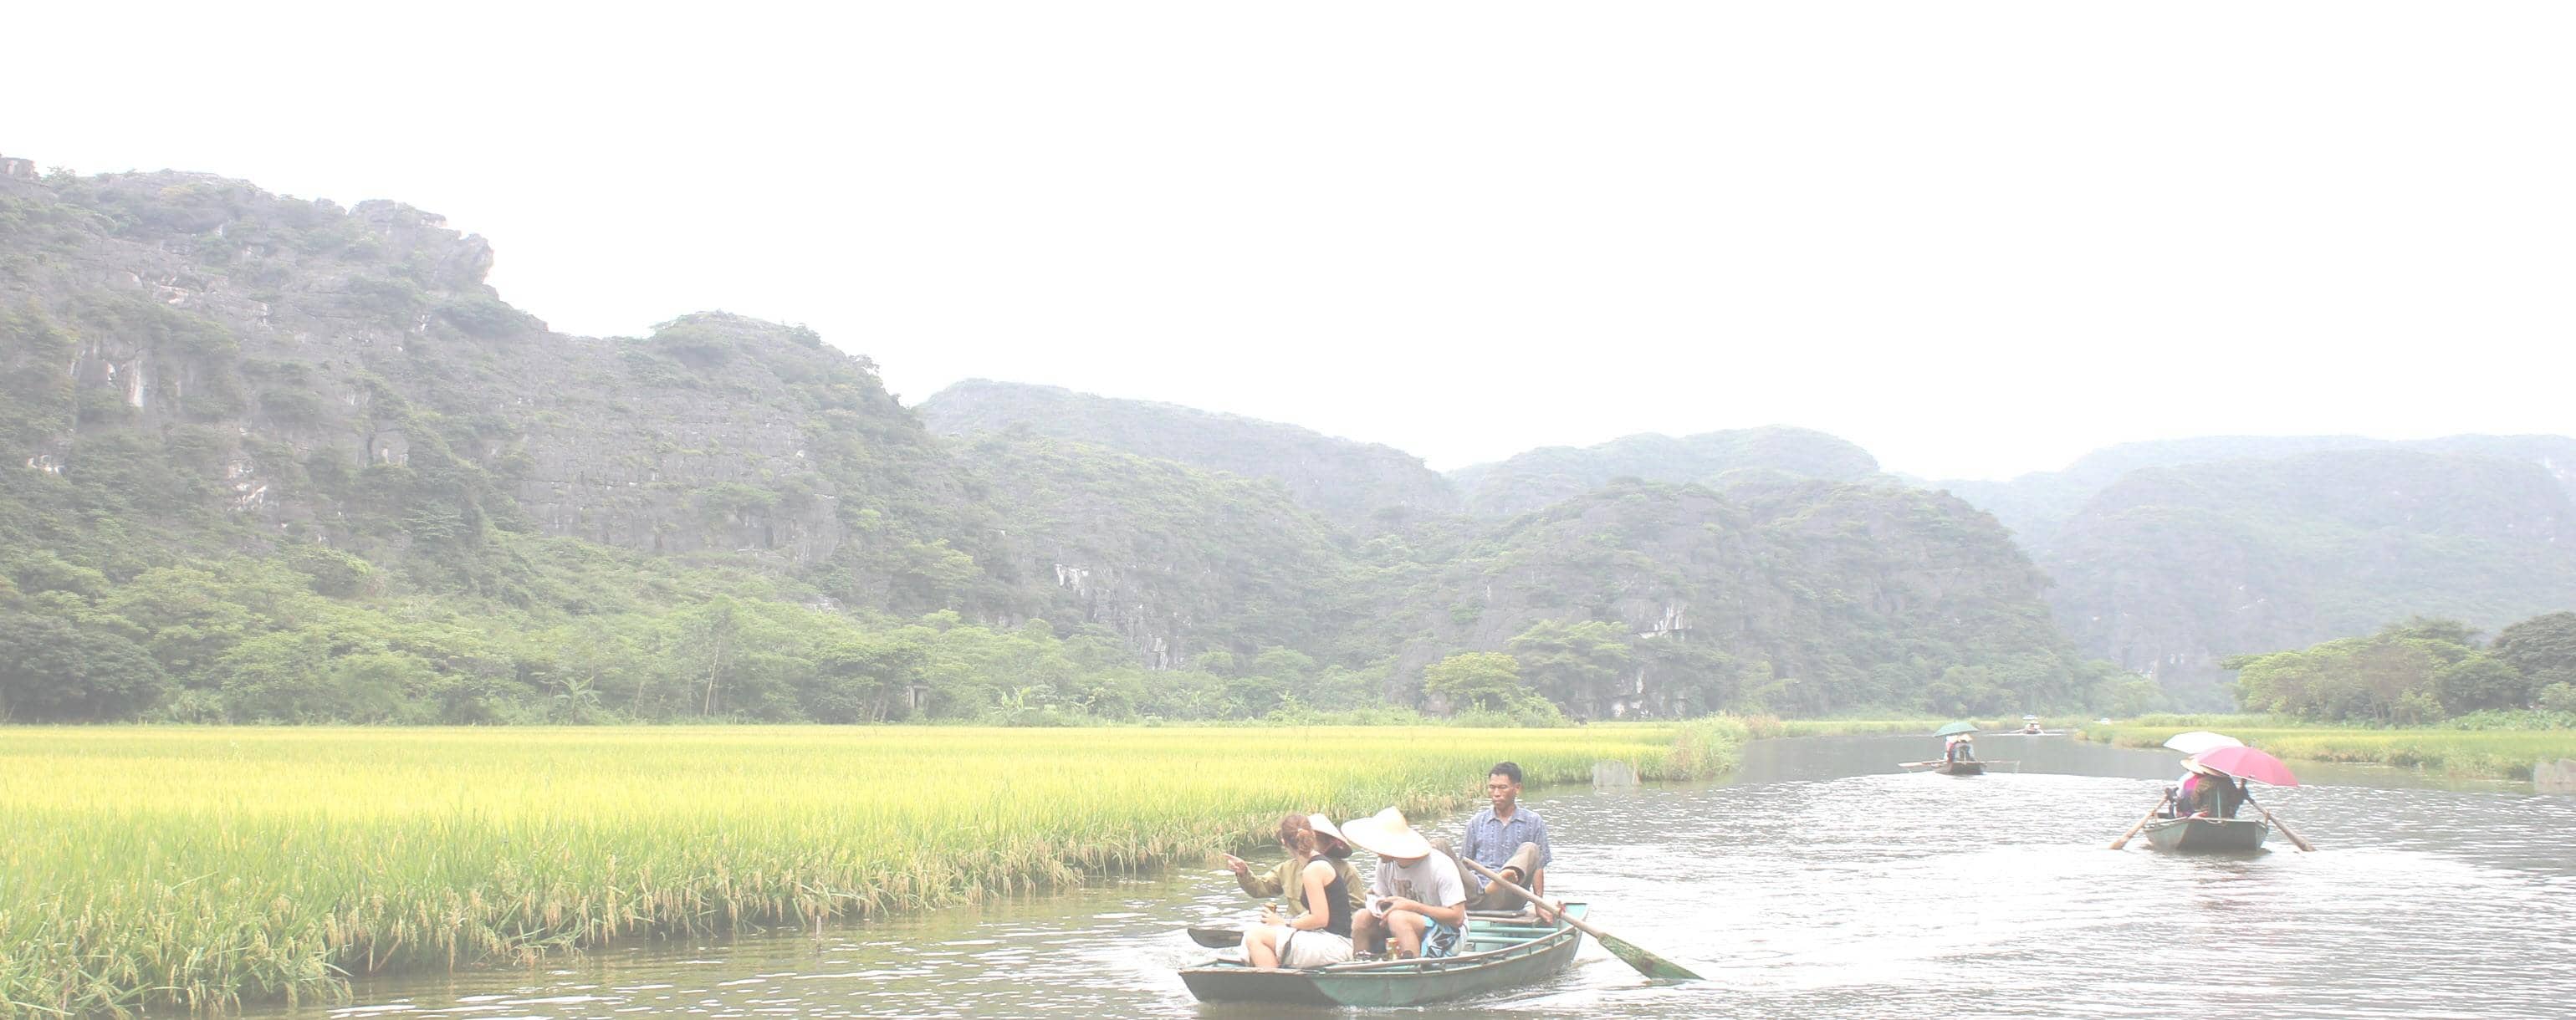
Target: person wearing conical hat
point(1416, 896)
point(1281, 880)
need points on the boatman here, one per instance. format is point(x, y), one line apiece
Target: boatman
point(1508, 838)
point(1414, 897)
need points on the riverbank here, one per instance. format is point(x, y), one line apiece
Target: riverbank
point(2464, 753)
point(202, 868)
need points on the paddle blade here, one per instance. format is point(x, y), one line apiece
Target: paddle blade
point(1216, 938)
point(1647, 963)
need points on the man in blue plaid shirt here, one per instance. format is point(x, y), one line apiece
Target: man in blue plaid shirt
point(1508, 838)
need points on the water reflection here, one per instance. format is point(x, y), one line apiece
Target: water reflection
point(1820, 882)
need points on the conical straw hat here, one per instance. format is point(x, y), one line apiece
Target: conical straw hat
point(1386, 835)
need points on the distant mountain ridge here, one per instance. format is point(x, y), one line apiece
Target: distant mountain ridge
point(1361, 486)
point(2037, 504)
point(2169, 568)
point(1535, 479)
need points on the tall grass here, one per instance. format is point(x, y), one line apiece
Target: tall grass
point(2492, 754)
point(205, 867)
point(1765, 727)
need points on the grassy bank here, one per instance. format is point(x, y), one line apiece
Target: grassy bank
point(2468, 753)
point(203, 867)
point(1766, 727)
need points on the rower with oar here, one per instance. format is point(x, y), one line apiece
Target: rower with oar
point(1508, 838)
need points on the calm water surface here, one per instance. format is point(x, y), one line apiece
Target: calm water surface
point(1817, 881)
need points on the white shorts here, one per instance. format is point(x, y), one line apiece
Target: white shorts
point(1304, 950)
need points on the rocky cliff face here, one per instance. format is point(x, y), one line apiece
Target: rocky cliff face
point(1176, 561)
point(1535, 479)
point(1363, 487)
point(301, 346)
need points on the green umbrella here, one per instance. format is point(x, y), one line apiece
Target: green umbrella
point(1956, 727)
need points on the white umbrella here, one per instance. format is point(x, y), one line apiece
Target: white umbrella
point(2201, 741)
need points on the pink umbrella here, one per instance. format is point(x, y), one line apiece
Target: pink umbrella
point(2248, 763)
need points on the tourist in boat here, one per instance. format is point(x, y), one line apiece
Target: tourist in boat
point(1508, 838)
point(1959, 749)
point(1282, 879)
point(1313, 938)
point(2188, 794)
point(1415, 897)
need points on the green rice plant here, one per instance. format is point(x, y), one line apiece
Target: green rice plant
point(203, 868)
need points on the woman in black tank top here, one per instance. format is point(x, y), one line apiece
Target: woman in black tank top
point(1327, 931)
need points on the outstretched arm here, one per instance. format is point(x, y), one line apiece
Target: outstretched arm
point(1259, 887)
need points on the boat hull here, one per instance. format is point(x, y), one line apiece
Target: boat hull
point(2208, 835)
point(1961, 768)
point(1499, 956)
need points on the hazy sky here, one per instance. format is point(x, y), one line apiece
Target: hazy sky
point(1978, 239)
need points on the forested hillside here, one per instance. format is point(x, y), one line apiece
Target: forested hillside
point(276, 460)
point(1797, 597)
point(1543, 476)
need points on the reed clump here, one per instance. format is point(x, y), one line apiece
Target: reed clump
point(203, 868)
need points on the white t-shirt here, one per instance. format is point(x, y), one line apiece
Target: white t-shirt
point(1431, 880)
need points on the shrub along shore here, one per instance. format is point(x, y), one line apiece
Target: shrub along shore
point(202, 868)
point(2506, 748)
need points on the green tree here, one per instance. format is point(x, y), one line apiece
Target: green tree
point(2480, 681)
point(868, 678)
point(1484, 680)
point(2542, 648)
point(283, 676)
point(53, 671)
point(1583, 666)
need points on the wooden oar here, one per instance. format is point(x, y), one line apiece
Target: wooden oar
point(2276, 823)
point(2122, 843)
point(1216, 938)
point(1647, 963)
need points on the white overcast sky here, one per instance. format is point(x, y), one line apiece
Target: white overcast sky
point(1978, 239)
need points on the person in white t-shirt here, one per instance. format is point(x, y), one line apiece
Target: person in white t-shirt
point(1416, 895)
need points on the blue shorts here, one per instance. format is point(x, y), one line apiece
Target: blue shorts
point(1438, 940)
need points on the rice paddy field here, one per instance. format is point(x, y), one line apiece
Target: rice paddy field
point(200, 868)
point(2490, 754)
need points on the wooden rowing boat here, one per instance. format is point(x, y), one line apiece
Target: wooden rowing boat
point(2207, 835)
point(1498, 951)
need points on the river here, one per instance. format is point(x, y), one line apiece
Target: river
point(1815, 881)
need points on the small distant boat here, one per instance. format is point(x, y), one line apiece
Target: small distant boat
point(2199, 835)
point(1961, 768)
point(1497, 952)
